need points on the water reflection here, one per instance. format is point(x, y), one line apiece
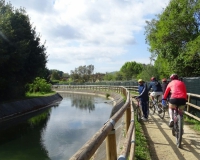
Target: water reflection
point(21, 136)
point(55, 133)
point(83, 102)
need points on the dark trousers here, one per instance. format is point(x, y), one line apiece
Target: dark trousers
point(145, 106)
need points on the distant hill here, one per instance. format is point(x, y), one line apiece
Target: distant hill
point(112, 72)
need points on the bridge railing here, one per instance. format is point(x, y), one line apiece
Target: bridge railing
point(107, 132)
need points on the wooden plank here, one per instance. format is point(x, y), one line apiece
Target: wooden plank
point(195, 106)
point(194, 95)
point(189, 114)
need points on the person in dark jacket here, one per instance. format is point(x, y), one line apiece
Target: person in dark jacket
point(164, 85)
point(144, 98)
point(156, 88)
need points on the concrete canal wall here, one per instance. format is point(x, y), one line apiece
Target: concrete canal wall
point(17, 108)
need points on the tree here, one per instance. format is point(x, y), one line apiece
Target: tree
point(119, 76)
point(109, 77)
point(131, 69)
point(56, 74)
point(173, 32)
point(162, 67)
point(148, 72)
point(83, 74)
point(22, 56)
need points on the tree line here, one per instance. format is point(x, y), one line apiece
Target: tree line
point(82, 74)
point(22, 55)
point(173, 39)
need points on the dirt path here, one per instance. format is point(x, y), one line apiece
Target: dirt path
point(162, 142)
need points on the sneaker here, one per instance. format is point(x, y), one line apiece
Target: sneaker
point(171, 123)
point(144, 119)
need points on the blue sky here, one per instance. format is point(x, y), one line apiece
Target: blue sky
point(103, 33)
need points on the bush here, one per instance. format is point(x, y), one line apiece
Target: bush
point(107, 95)
point(39, 85)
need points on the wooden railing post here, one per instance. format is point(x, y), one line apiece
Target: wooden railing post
point(188, 106)
point(128, 112)
point(128, 117)
point(111, 150)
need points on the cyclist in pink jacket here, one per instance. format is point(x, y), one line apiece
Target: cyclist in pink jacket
point(178, 95)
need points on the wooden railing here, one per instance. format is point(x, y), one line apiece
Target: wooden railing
point(132, 88)
point(108, 131)
point(188, 106)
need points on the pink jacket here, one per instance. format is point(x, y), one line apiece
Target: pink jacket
point(177, 89)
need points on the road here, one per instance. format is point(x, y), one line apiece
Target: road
point(163, 143)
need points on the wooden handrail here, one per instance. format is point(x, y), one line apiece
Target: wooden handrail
point(129, 143)
point(190, 95)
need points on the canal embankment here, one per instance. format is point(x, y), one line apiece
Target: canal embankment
point(18, 108)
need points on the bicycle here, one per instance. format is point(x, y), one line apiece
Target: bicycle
point(177, 129)
point(138, 110)
point(156, 106)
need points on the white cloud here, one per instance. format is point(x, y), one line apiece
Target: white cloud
point(98, 32)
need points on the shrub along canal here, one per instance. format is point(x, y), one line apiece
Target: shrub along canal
point(54, 133)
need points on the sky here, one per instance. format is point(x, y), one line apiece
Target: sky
point(103, 33)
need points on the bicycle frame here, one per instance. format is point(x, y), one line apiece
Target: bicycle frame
point(156, 107)
point(177, 129)
point(138, 111)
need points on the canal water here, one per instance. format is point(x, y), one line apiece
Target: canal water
point(55, 133)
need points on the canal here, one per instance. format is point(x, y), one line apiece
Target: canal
point(54, 133)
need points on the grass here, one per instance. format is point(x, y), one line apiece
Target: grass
point(38, 94)
point(133, 92)
point(141, 144)
point(30, 95)
point(193, 123)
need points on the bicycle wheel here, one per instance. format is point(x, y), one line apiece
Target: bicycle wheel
point(151, 107)
point(179, 131)
point(138, 114)
point(173, 131)
point(162, 111)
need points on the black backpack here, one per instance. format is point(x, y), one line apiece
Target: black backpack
point(158, 84)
